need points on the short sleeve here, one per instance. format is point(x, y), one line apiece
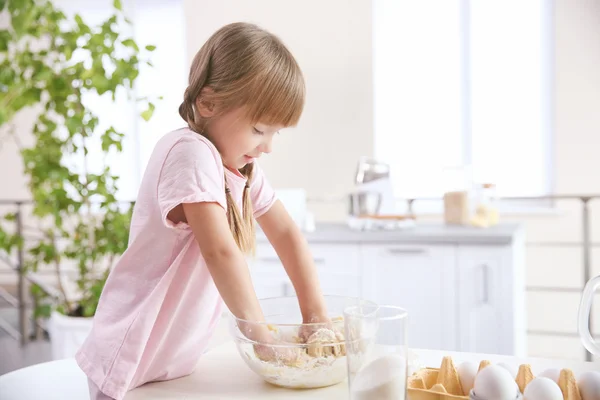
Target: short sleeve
point(261, 193)
point(192, 172)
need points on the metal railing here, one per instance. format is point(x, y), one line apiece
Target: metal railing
point(23, 277)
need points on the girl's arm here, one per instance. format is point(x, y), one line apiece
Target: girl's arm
point(292, 249)
point(226, 264)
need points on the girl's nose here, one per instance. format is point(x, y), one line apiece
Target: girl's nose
point(266, 146)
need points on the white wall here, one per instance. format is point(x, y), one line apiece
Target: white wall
point(555, 256)
point(331, 41)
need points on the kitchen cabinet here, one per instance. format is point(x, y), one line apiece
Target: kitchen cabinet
point(420, 279)
point(463, 288)
point(337, 266)
point(488, 293)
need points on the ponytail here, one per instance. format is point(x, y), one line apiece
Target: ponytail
point(242, 225)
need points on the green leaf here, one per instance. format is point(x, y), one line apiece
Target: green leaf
point(117, 4)
point(146, 115)
point(130, 43)
point(150, 47)
point(61, 309)
point(79, 21)
point(22, 20)
point(10, 216)
point(5, 38)
point(89, 310)
point(43, 311)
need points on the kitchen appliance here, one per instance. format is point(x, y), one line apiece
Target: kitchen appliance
point(369, 170)
point(585, 310)
point(364, 203)
point(373, 177)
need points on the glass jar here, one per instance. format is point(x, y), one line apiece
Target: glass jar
point(486, 206)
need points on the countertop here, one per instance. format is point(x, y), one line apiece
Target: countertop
point(424, 233)
point(221, 374)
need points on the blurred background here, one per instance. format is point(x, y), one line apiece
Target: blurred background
point(506, 90)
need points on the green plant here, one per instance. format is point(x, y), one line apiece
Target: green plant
point(78, 218)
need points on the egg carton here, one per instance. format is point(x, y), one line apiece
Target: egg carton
point(444, 383)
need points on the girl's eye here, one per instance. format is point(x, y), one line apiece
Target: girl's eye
point(257, 131)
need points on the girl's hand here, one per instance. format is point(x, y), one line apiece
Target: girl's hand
point(289, 356)
point(268, 348)
point(316, 322)
point(330, 341)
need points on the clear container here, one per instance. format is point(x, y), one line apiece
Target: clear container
point(315, 365)
point(487, 194)
point(376, 352)
point(486, 205)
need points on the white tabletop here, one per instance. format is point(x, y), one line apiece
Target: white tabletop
point(221, 374)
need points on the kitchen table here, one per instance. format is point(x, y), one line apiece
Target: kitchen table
point(221, 374)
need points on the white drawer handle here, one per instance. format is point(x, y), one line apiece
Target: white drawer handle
point(269, 259)
point(407, 251)
point(317, 260)
point(484, 289)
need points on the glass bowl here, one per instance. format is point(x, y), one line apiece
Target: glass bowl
point(315, 364)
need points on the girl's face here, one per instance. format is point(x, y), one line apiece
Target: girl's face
point(238, 141)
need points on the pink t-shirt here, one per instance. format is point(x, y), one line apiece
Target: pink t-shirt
point(160, 305)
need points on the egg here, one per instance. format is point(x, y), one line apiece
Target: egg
point(495, 382)
point(551, 373)
point(512, 370)
point(589, 385)
point(466, 372)
point(542, 389)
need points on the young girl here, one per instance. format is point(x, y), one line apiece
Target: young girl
point(193, 221)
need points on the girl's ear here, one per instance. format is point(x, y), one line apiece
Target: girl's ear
point(205, 107)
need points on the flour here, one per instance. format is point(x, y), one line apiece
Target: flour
point(310, 372)
point(382, 379)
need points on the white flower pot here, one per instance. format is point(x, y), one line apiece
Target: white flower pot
point(67, 334)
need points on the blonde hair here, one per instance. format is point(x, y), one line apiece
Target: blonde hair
point(245, 66)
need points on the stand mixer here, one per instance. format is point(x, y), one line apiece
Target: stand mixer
point(373, 205)
point(585, 309)
point(374, 193)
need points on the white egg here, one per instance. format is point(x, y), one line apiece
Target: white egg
point(551, 373)
point(511, 369)
point(494, 382)
point(542, 389)
point(589, 385)
point(466, 373)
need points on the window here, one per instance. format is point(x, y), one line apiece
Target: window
point(155, 22)
point(463, 83)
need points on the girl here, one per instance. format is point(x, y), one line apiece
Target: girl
point(193, 221)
